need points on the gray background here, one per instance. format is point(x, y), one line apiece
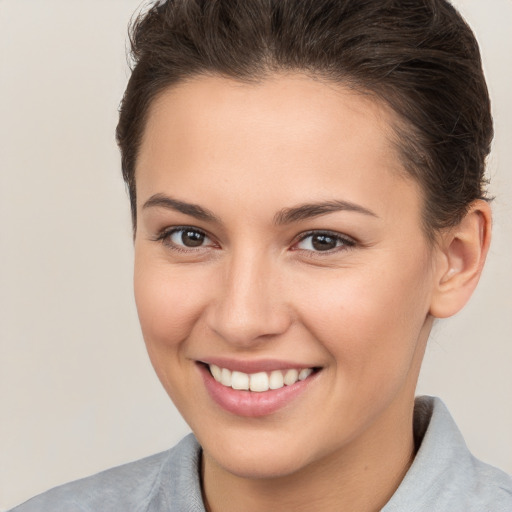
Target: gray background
point(77, 393)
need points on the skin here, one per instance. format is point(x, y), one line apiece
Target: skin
point(256, 289)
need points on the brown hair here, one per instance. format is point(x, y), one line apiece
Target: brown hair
point(419, 56)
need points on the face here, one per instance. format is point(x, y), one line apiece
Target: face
point(279, 247)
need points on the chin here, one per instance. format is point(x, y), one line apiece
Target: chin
point(258, 456)
point(252, 465)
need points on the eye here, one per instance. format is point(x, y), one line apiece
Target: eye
point(184, 238)
point(323, 241)
point(188, 237)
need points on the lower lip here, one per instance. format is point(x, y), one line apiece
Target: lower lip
point(250, 403)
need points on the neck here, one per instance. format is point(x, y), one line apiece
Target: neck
point(361, 477)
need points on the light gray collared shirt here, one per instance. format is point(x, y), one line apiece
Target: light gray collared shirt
point(444, 477)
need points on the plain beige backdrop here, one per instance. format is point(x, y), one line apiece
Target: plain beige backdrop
point(77, 393)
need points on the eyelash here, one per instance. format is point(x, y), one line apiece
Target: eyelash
point(164, 237)
point(344, 242)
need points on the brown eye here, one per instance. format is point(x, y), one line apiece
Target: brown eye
point(323, 242)
point(192, 238)
point(188, 237)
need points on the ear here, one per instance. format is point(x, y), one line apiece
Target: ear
point(461, 256)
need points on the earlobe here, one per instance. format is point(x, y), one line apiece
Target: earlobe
point(461, 257)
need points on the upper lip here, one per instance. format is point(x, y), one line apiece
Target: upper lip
point(255, 366)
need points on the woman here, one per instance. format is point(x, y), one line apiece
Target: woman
point(307, 190)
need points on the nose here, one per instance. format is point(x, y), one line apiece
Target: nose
point(250, 305)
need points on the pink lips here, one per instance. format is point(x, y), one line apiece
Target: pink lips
point(248, 403)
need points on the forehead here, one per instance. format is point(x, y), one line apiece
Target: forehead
point(288, 106)
point(288, 132)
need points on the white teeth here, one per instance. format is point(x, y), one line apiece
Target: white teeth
point(239, 380)
point(225, 377)
point(291, 377)
point(305, 373)
point(216, 372)
point(276, 380)
point(261, 381)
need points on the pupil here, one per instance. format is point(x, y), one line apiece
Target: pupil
point(323, 242)
point(192, 238)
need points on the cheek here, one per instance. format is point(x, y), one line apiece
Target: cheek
point(168, 300)
point(370, 322)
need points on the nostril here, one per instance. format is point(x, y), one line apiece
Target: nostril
point(244, 327)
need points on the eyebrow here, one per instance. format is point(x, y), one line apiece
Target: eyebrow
point(310, 210)
point(284, 216)
point(194, 210)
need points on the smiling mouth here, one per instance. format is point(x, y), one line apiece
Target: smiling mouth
point(261, 381)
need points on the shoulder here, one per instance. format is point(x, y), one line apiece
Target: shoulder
point(120, 488)
point(445, 475)
point(136, 486)
point(493, 485)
